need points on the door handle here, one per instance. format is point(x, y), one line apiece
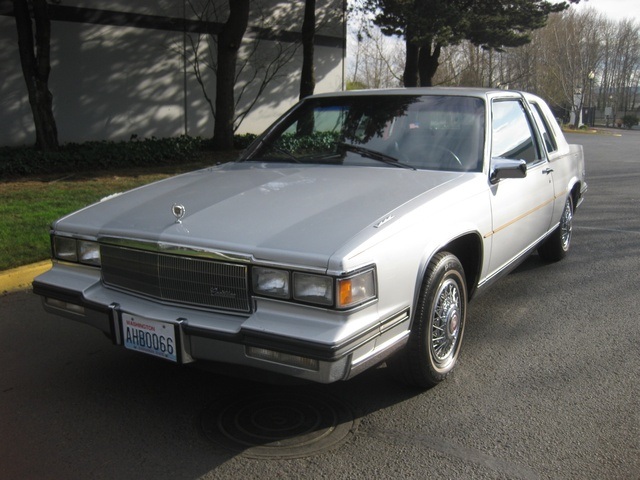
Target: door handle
point(547, 171)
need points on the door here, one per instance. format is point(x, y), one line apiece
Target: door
point(522, 208)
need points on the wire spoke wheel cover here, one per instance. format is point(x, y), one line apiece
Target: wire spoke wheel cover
point(557, 245)
point(446, 324)
point(566, 225)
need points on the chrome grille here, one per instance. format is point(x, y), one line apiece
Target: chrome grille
point(176, 278)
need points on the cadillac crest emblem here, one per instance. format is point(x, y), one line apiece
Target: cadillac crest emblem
point(178, 212)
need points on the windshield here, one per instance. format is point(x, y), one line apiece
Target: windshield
point(409, 131)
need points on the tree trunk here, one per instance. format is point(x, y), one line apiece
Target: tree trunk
point(229, 41)
point(410, 75)
point(36, 65)
point(308, 78)
point(428, 63)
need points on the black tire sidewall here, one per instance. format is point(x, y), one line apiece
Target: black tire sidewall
point(442, 267)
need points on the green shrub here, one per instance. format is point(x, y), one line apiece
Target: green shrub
point(104, 155)
point(302, 144)
point(629, 121)
point(240, 142)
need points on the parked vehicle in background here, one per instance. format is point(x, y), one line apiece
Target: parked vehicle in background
point(355, 230)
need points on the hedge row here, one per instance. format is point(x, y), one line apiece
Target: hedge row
point(106, 155)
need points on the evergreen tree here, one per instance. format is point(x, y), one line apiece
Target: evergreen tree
point(428, 26)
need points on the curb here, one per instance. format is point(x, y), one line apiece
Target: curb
point(20, 278)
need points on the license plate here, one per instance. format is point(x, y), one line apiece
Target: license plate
point(149, 336)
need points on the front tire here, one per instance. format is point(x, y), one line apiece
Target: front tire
point(557, 245)
point(438, 325)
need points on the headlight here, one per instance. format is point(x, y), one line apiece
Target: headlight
point(323, 290)
point(355, 290)
point(77, 251)
point(271, 282)
point(65, 248)
point(316, 289)
point(88, 252)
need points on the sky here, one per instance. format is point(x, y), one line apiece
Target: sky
point(614, 9)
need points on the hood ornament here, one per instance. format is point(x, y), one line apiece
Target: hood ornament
point(178, 212)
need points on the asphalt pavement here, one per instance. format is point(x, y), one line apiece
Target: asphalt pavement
point(547, 386)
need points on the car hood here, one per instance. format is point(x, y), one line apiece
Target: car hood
point(284, 213)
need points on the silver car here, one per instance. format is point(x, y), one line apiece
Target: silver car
point(355, 230)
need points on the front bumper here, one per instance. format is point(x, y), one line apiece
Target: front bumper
point(308, 343)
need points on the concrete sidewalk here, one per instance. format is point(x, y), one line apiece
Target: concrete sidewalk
point(20, 278)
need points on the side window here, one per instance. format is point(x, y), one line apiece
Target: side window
point(546, 131)
point(512, 133)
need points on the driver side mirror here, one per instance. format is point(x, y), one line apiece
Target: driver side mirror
point(507, 168)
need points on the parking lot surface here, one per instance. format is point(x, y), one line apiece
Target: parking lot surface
point(547, 386)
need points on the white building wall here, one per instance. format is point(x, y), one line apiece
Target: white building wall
point(110, 82)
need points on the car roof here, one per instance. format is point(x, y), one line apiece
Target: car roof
point(458, 91)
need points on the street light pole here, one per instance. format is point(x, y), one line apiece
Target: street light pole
point(590, 116)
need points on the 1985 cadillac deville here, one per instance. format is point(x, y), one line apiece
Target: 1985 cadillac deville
point(355, 230)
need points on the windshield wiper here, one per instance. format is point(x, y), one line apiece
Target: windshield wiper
point(287, 153)
point(375, 155)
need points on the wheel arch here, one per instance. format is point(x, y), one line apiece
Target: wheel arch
point(576, 194)
point(468, 249)
point(422, 362)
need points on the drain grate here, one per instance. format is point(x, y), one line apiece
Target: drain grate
point(278, 424)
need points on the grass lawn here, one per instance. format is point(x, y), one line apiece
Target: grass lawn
point(28, 206)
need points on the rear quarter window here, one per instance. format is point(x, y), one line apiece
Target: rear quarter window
point(550, 142)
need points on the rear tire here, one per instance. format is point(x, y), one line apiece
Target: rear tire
point(438, 325)
point(557, 245)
